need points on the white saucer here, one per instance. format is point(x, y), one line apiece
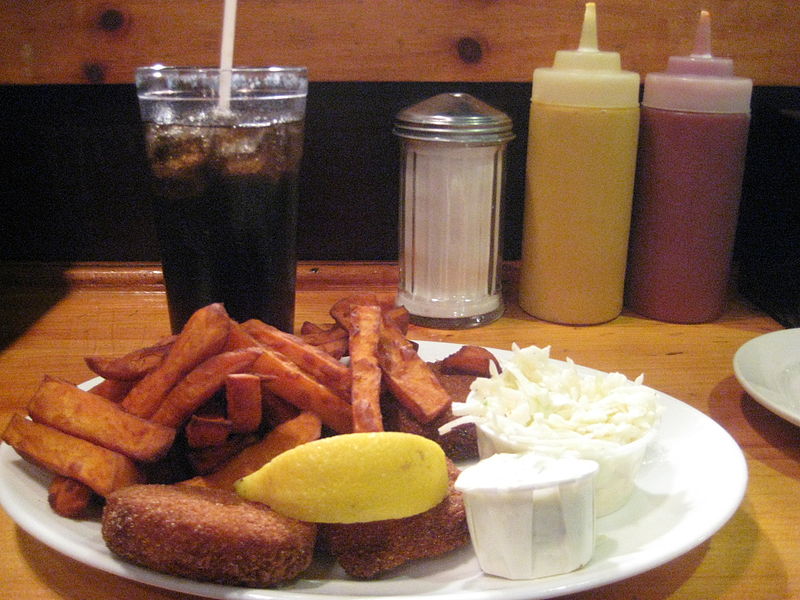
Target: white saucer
point(768, 367)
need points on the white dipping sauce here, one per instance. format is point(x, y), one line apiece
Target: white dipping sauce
point(530, 516)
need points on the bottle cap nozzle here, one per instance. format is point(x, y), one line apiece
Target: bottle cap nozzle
point(701, 61)
point(587, 56)
point(702, 39)
point(589, 29)
point(587, 76)
point(700, 82)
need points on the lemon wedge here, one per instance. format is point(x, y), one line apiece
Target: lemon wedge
point(352, 478)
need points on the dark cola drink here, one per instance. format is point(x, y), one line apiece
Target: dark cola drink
point(225, 169)
point(226, 211)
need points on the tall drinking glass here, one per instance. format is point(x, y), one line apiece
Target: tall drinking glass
point(225, 177)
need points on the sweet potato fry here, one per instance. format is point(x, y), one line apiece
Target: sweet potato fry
point(200, 384)
point(69, 497)
point(409, 377)
point(211, 458)
point(316, 334)
point(132, 366)
point(101, 469)
point(238, 338)
point(305, 427)
point(275, 409)
point(321, 365)
point(202, 431)
point(203, 336)
point(113, 389)
point(309, 328)
point(332, 341)
point(400, 316)
point(470, 360)
point(343, 308)
point(69, 409)
point(336, 348)
point(294, 385)
point(243, 402)
point(365, 328)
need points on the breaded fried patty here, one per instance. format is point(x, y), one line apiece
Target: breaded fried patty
point(206, 534)
point(365, 550)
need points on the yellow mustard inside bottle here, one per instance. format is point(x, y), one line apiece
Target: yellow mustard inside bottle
point(583, 136)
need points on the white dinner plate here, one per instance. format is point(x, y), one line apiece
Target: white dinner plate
point(692, 481)
point(768, 367)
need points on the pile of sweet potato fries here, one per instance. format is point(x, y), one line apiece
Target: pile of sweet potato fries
point(223, 397)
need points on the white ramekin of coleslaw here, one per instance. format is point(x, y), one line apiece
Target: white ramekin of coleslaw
point(553, 408)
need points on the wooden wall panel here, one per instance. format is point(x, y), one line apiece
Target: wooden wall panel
point(102, 41)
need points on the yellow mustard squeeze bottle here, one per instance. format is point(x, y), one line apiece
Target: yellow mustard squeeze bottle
point(583, 135)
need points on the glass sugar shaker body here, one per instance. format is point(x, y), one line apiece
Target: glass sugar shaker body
point(451, 191)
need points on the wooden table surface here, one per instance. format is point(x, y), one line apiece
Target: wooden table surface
point(50, 318)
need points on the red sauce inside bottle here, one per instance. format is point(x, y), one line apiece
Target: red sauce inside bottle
point(686, 203)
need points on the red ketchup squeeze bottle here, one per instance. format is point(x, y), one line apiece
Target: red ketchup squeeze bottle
point(692, 145)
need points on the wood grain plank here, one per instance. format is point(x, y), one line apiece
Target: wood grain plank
point(146, 276)
point(97, 41)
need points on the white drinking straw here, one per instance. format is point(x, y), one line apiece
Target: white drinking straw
point(226, 55)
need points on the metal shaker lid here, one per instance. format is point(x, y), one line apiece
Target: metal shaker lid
point(453, 117)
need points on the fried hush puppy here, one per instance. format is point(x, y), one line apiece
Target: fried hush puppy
point(366, 550)
point(206, 534)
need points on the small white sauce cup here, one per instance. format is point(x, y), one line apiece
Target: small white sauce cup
point(530, 516)
point(618, 467)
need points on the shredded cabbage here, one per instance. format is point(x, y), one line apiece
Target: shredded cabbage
point(540, 402)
